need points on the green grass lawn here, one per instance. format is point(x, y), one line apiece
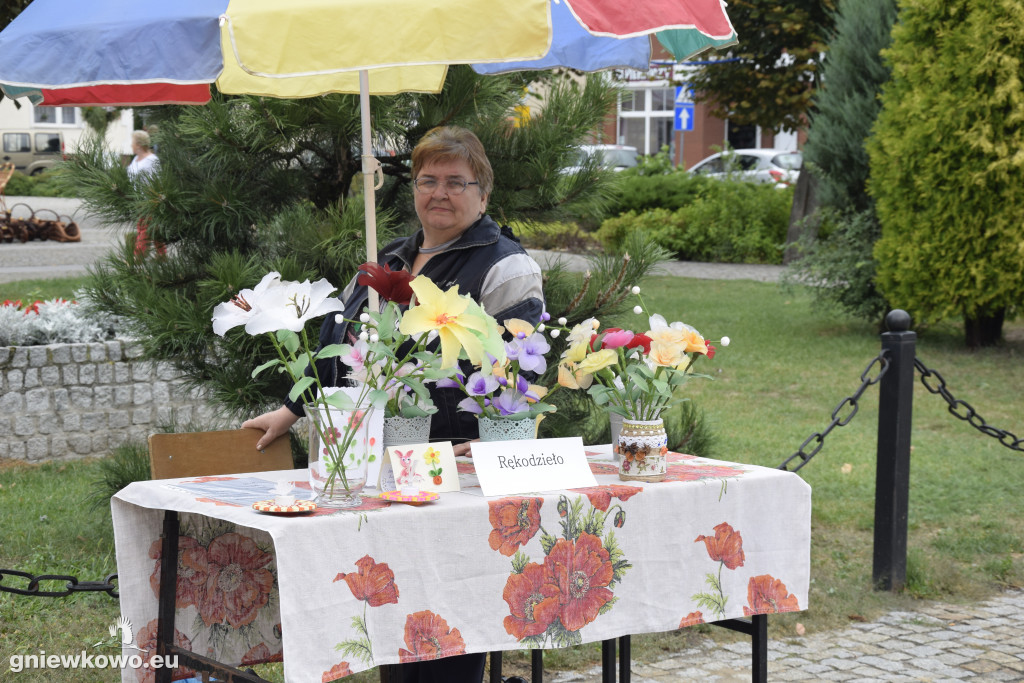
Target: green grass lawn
point(788, 366)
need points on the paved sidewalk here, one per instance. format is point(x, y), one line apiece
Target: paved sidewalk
point(938, 642)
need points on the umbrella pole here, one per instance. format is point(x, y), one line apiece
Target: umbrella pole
point(370, 166)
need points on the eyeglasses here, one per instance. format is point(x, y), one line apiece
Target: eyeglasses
point(453, 186)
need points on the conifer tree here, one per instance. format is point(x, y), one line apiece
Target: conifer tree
point(846, 106)
point(947, 171)
point(248, 185)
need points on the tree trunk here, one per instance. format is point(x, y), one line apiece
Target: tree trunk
point(801, 217)
point(984, 330)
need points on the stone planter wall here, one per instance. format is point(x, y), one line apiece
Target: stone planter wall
point(64, 401)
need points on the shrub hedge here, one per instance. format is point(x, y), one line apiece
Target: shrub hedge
point(722, 221)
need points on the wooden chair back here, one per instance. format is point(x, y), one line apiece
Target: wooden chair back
point(198, 454)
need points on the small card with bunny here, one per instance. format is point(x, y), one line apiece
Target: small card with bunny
point(425, 466)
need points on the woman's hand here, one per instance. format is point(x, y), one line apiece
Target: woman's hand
point(463, 448)
point(274, 424)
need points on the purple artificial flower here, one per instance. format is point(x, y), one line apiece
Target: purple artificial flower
point(530, 353)
point(470, 406)
point(479, 384)
point(449, 382)
point(523, 387)
point(510, 403)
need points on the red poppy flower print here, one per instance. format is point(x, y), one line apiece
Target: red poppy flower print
point(337, 671)
point(373, 582)
point(238, 583)
point(261, 654)
point(581, 572)
point(515, 521)
point(601, 496)
point(726, 546)
point(193, 567)
point(145, 640)
point(532, 602)
point(203, 480)
point(768, 595)
point(428, 637)
point(692, 619)
point(392, 285)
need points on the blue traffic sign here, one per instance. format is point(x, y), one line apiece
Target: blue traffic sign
point(684, 116)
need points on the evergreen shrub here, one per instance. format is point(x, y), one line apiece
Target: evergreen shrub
point(729, 222)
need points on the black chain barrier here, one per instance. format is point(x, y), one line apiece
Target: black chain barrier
point(838, 419)
point(71, 584)
point(963, 410)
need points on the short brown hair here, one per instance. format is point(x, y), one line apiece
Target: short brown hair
point(448, 143)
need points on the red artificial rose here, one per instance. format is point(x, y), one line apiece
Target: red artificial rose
point(641, 340)
point(768, 595)
point(392, 285)
point(374, 583)
point(533, 604)
point(711, 351)
point(514, 522)
point(726, 546)
point(581, 572)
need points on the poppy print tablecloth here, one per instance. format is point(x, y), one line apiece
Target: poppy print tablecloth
point(335, 592)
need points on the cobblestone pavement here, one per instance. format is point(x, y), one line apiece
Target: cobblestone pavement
point(937, 642)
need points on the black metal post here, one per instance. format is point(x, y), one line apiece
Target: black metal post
point(495, 676)
point(537, 666)
point(608, 661)
point(892, 478)
point(168, 593)
point(625, 657)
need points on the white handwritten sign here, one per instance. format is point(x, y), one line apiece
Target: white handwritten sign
point(531, 465)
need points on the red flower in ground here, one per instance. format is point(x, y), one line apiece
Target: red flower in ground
point(768, 595)
point(515, 521)
point(238, 583)
point(374, 583)
point(145, 640)
point(691, 619)
point(726, 546)
point(261, 654)
point(392, 285)
point(428, 637)
point(601, 496)
point(581, 572)
point(337, 671)
point(533, 603)
point(193, 568)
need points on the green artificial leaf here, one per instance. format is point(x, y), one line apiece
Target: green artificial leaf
point(339, 400)
point(333, 350)
point(289, 340)
point(268, 364)
point(301, 385)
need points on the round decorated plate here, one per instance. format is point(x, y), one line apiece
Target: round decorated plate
point(296, 508)
point(417, 498)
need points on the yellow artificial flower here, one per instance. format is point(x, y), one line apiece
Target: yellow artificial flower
point(569, 378)
point(431, 456)
point(518, 328)
point(667, 355)
point(694, 342)
point(576, 352)
point(459, 323)
point(667, 335)
point(537, 390)
point(598, 360)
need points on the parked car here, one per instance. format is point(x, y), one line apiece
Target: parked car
point(614, 157)
point(753, 165)
point(32, 151)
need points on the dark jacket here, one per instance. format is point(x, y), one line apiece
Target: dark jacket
point(466, 263)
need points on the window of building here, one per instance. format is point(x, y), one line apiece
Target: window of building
point(62, 115)
point(645, 117)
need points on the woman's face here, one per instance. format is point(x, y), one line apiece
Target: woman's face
point(445, 216)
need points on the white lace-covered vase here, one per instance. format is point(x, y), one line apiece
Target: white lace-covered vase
point(399, 431)
point(507, 430)
point(643, 450)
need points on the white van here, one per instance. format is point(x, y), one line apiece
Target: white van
point(31, 151)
